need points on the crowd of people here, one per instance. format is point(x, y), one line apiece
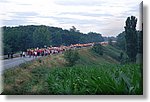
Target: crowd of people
point(34, 52)
point(43, 51)
point(51, 50)
point(10, 55)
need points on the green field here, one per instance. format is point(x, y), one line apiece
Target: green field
point(98, 79)
point(92, 74)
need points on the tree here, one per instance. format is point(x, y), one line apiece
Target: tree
point(140, 41)
point(71, 57)
point(7, 49)
point(121, 41)
point(110, 41)
point(20, 38)
point(97, 48)
point(139, 56)
point(41, 37)
point(73, 29)
point(131, 38)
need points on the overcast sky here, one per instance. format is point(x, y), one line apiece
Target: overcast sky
point(102, 16)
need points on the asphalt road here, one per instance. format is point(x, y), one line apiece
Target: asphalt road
point(10, 63)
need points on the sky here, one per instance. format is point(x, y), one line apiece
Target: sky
point(106, 17)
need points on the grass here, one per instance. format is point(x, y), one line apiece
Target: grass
point(29, 78)
point(113, 52)
point(88, 57)
point(92, 74)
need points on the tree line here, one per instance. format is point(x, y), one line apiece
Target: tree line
point(21, 38)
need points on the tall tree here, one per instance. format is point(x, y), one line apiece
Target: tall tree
point(140, 41)
point(131, 38)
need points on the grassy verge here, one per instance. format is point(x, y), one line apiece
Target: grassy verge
point(28, 78)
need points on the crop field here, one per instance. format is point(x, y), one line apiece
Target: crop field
point(103, 79)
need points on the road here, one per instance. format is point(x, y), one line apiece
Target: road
point(10, 63)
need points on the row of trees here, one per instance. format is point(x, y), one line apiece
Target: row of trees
point(23, 37)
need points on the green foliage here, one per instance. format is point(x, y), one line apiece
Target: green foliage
point(41, 37)
point(121, 57)
point(115, 53)
point(95, 74)
point(71, 57)
point(110, 41)
point(39, 73)
point(7, 49)
point(121, 44)
point(111, 37)
point(23, 82)
point(101, 79)
point(140, 42)
point(121, 41)
point(97, 48)
point(131, 38)
point(91, 37)
point(23, 37)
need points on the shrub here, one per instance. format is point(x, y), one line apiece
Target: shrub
point(39, 72)
point(71, 57)
point(97, 48)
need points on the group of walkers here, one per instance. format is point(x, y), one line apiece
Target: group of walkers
point(34, 52)
point(42, 51)
point(10, 55)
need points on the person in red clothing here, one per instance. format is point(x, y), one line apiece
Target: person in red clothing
point(30, 53)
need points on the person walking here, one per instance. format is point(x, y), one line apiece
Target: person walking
point(24, 54)
point(8, 55)
point(11, 55)
point(21, 54)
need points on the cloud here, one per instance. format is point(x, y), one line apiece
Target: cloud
point(24, 14)
point(4, 1)
point(80, 2)
point(14, 22)
point(103, 16)
point(63, 20)
point(86, 14)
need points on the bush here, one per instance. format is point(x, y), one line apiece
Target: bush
point(97, 48)
point(71, 57)
point(39, 72)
